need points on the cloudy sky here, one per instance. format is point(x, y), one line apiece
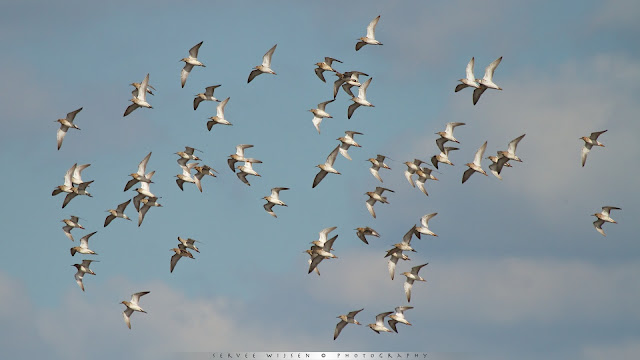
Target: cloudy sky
point(517, 271)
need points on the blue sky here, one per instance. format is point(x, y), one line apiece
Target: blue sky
point(516, 271)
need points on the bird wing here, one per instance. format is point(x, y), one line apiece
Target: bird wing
point(451, 126)
point(324, 232)
point(320, 74)
point(408, 284)
point(130, 109)
point(392, 324)
point(351, 109)
point(108, 220)
point(598, 225)
point(68, 198)
point(406, 239)
point(360, 44)
point(78, 276)
point(314, 263)
point(380, 317)
point(594, 135)
point(339, 328)
point(269, 208)
point(319, 178)
point(585, 150)
point(332, 156)
point(322, 105)
point(362, 91)
point(142, 167)
point(374, 172)
point(371, 29)
point(174, 261)
point(127, 314)
point(266, 59)
point(488, 72)
point(77, 173)
point(185, 73)
point(425, 219)
point(67, 231)
point(135, 298)
point(253, 74)
point(220, 108)
point(370, 202)
point(393, 260)
point(416, 269)
point(193, 52)
point(514, 143)
point(142, 93)
point(143, 212)
point(72, 115)
point(68, 175)
point(469, 71)
point(467, 174)
point(478, 158)
point(361, 236)
point(123, 206)
point(477, 93)
point(243, 177)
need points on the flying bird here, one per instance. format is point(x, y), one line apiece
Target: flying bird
point(147, 204)
point(139, 99)
point(238, 156)
point(319, 113)
point(376, 164)
point(67, 186)
point(80, 190)
point(325, 66)
point(470, 80)
point(118, 212)
point(412, 167)
point(497, 163)
point(219, 118)
point(379, 325)
point(189, 243)
point(71, 224)
point(76, 178)
point(207, 95)
point(140, 174)
point(589, 142)
point(443, 157)
point(360, 100)
point(424, 221)
point(411, 277)
point(511, 150)
point(83, 268)
point(190, 62)
point(327, 167)
point(424, 174)
point(487, 81)
point(361, 232)
point(370, 39)
point(133, 306)
point(344, 320)
point(265, 68)
point(398, 317)
point(180, 252)
point(347, 141)
point(475, 166)
point(65, 124)
point(603, 217)
point(84, 246)
point(376, 196)
point(274, 199)
point(447, 135)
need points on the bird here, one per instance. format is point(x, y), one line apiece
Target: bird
point(140, 174)
point(327, 167)
point(320, 252)
point(84, 246)
point(219, 118)
point(187, 154)
point(190, 62)
point(405, 244)
point(143, 191)
point(376, 196)
point(424, 221)
point(361, 232)
point(189, 243)
point(206, 95)
point(347, 141)
point(411, 277)
point(589, 142)
point(65, 124)
point(323, 236)
point(265, 67)
point(603, 217)
point(147, 204)
point(319, 113)
point(239, 156)
point(379, 325)
point(398, 317)
point(497, 163)
point(201, 172)
point(71, 224)
point(140, 98)
point(360, 100)
point(83, 269)
point(180, 251)
point(443, 157)
point(475, 166)
point(370, 39)
point(376, 164)
point(118, 212)
point(344, 320)
point(350, 78)
point(67, 186)
point(447, 135)
point(274, 199)
point(412, 167)
point(511, 150)
point(137, 88)
point(133, 306)
point(424, 174)
point(470, 80)
point(80, 190)
point(487, 81)
point(186, 175)
point(76, 178)
point(325, 66)
point(394, 255)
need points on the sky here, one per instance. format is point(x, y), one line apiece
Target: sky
point(517, 269)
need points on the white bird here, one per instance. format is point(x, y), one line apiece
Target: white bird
point(447, 135)
point(376, 164)
point(180, 251)
point(487, 81)
point(394, 255)
point(80, 190)
point(133, 306)
point(190, 62)
point(76, 178)
point(319, 113)
point(143, 191)
point(346, 80)
point(139, 99)
point(219, 118)
point(412, 167)
point(361, 232)
point(411, 277)
point(319, 253)
point(379, 325)
point(511, 150)
point(118, 212)
point(398, 317)
point(147, 204)
point(323, 236)
point(376, 196)
point(207, 95)
point(327, 167)
point(186, 175)
point(71, 224)
point(137, 88)
point(201, 172)
point(475, 166)
point(603, 217)
point(589, 142)
point(187, 155)
point(67, 186)
point(83, 269)
point(497, 163)
point(443, 157)
point(325, 66)
point(470, 80)
point(189, 243)
point(424, 221)
point(344, 320)
point(65, 124)
point(247, 169)
point(274, 199)
point(140, 174)
point(347, 141)
point(265, 67)
point(238, 156)
point(370, 39)
point(84, 246)
point(424, 174)
point(360, 100)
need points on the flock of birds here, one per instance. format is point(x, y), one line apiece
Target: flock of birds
point(322, 248)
